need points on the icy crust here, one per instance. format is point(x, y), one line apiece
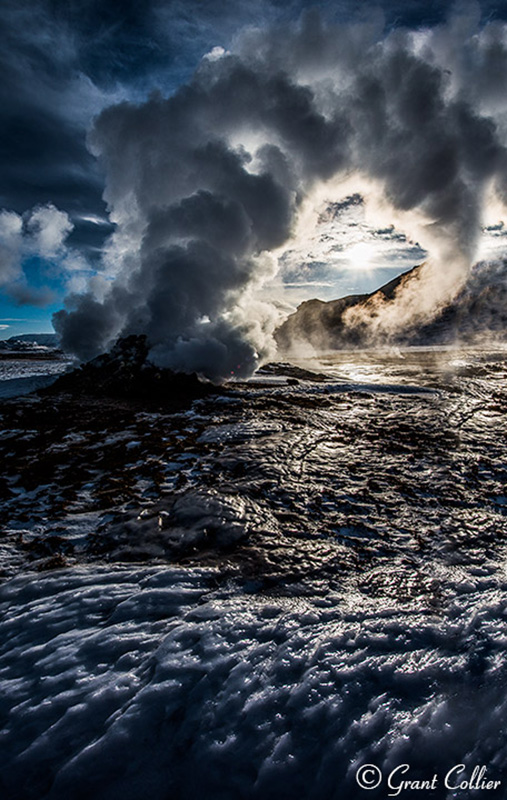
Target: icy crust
point(16, 387)
point(16, 369)
point(125, 682)
point(20, 377)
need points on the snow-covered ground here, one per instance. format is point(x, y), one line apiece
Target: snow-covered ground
point(22, 376)
point(131, 682)
point(258, 596)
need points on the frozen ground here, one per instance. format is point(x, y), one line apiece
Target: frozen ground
point(22, 376)
point(252, 598)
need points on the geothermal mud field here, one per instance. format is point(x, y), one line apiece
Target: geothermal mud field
point(254, 596)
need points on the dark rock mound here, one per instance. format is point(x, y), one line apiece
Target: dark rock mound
point(292, 372)
point(126, 373)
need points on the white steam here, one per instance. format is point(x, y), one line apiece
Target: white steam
point(203, 185)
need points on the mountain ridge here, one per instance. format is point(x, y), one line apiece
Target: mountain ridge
point(479, 310)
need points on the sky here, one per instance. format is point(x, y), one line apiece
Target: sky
point(65, 63)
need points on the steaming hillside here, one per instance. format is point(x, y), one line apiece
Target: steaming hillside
point(478, 312)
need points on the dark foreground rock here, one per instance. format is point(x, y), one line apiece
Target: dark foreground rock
point(126, 373)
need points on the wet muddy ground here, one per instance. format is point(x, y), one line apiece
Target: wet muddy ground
point(389, 474)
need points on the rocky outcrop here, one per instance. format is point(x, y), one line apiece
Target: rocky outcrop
point(126, 373)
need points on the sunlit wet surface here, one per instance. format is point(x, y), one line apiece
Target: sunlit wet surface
point(370, 460)
point(425, 366)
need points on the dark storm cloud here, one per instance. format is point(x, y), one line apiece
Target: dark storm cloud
point(43, 152)
point(25, 295)
point(44, 159)
point(59, 62)
point(88, 235)
point(61, 58)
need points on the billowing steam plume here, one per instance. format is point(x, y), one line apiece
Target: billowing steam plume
point(205, 184)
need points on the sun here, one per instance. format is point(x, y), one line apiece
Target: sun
point(360, 257)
